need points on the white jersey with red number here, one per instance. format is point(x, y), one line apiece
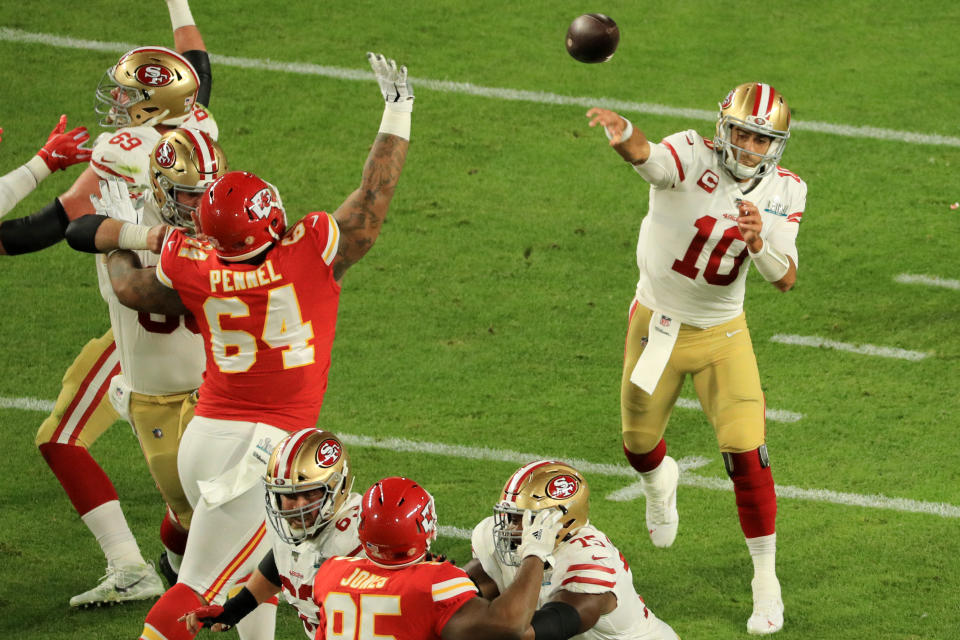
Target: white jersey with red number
point(410, 603)
point(693, 261)
point(587, 563)
point(125, 153)
point(159, 355)
point(268, 328)
point(298, 564)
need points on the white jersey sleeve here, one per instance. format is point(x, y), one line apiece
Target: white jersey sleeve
point(201, 118)
point(125, 153)
point(298, 564)
point(481, 542)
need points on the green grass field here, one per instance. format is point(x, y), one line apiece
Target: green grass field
point(491, 313)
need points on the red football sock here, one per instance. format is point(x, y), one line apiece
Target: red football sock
point(756, 496)
point(649, 461)
point(161, 622)
point(172, 536)
point(85, 482)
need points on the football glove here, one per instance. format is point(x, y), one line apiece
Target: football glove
point(394, 86)
point(540, 529)
point(114, 201)
point(64, 149)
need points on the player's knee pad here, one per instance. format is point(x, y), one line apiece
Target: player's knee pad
point(730, 460)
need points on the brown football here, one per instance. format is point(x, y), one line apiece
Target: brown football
point(593, 37)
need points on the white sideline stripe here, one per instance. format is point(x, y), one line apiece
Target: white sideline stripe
point(455, 532)
point(505, 455)
point(933, 281)
point(27, 404)
point(774, 415)
point(446, 86)
point(863, 349)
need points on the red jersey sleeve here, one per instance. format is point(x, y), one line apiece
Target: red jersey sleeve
point(180, 254)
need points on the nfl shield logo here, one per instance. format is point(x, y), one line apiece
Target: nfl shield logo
point(664, 321)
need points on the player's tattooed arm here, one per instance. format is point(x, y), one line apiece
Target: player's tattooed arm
point(362, 214)
point(138, 288)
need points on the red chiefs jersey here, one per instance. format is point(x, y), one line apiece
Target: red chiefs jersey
point(411, 603)
point(268, 328)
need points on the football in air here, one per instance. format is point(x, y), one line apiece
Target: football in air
point(593, 37)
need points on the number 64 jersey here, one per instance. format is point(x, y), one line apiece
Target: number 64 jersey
point(692, 259)
point(268, 328)
point(586, 563)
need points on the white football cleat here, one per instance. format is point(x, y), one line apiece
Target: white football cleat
point(767, 607)
point(662, 516)
point(121, 584)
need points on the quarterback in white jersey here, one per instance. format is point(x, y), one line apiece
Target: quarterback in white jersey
point(313, 516)
point(588, 587)
point(716, 206)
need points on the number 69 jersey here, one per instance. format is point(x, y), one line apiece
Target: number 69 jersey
point(587, 563)
point(297, 564)
point(268, 328)
point(693, 261)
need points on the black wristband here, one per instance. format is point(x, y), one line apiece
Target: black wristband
point(236, 608)
point(37, 231)
point(82, 233)
point(200, 60)
point(555, 621)
point(268, 567)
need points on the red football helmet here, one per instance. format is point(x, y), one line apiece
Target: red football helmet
point(241, 215)
point(397, 522)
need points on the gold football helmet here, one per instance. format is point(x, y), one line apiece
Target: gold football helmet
point(535, 486)
point(312, 462)
point(147, 86)
point(756, 107)
point(184, 160)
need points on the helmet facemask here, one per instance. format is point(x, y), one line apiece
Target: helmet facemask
point(299, 523)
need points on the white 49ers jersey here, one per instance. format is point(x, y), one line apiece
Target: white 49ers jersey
point(159, 355)
point(587, 563)
point(125, 153)
point(693, 261)
point(298, 564)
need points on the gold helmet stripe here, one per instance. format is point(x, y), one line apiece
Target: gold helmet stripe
point(763, 99)
point(516, 481)
point(286, 457)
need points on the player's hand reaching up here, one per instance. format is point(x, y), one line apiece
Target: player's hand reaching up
point(540, 529)
point(63, 148)
point(396, 90)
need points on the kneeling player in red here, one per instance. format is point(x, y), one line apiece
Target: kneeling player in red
point(395, 592)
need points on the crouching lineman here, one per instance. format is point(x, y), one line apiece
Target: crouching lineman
point(314, 517)
point(588, 589)
point(407, 597)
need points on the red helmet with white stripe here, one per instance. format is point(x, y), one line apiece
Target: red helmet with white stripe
point(539, 485)
point(397, 522)
point(185, 161)
point(308, 480)
point(241, 215)
point(756, 107)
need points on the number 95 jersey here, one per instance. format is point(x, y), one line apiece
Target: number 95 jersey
point(268, 328)
point(587, 563)
point(693, 261)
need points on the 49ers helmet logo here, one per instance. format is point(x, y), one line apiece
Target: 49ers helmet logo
point(328, 453)
point(728, 101)
point(562, 487)
point(153, 75)
point(165, 155)
point(262, 203)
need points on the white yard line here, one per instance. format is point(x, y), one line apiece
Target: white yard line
point(932, 281)
point(862, 349)
point(687, 478)
point(446, 86)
